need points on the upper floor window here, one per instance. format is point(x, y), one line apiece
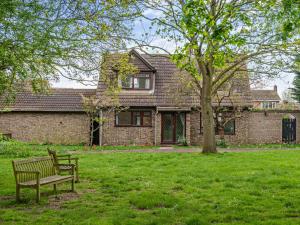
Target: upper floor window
point(268, 105)
point(140, 82)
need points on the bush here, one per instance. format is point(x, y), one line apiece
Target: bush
point(14, 149)
point(222, 143)
point(182, 141)
point(4, 138)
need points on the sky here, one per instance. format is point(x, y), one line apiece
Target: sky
point(283, 82)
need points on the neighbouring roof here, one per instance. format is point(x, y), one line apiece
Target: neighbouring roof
point(166, 78)
point(58, 100)
point(265, 95)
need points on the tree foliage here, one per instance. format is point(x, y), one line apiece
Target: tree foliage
point(215, 39)
point(42, 39)
point(295, 90)
point(114, 68)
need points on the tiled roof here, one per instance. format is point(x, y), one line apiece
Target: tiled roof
point(265, 95)
point(58, 100)
point(166, 78)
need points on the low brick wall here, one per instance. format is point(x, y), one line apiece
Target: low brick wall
point(52, 127)
point(266, 127)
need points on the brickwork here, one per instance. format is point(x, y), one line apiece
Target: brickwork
point(113, 135)
point(56, 128)
point(74, 128)
point(158, 129)
point(241, 130)
point(266, 127)
point(188, 128)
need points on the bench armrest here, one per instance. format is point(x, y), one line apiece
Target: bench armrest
point(65, 155)
point(65, 164)
point(67, 158)
point(71, 158)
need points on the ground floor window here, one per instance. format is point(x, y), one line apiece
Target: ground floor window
point(229, 127)
point(134, 118)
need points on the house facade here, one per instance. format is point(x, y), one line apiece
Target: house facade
point(265, 99)
point(156, 113)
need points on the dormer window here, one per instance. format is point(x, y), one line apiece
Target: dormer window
point(139, 82)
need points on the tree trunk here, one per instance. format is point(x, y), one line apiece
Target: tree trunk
point(100, 127)
point(91, 132)
point(209, 138)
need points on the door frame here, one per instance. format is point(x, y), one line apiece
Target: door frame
point(174, 117)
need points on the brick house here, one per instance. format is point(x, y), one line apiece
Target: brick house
point(156, 113)
point(265, 99)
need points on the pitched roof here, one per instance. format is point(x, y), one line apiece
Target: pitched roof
point(265, 95)
point(165, 79)
point(58, 100)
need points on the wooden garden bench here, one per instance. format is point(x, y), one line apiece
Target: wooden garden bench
point(36, 172)
point(62, 167)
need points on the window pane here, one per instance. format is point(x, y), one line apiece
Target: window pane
point(147, 83)
point(127, 82)
point(180, 127)
point(123, 118)
point(229, 127)
point(141, 83)
point(147, 119)
point(136, 118)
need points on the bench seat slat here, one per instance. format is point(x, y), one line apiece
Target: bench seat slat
point(48, 180)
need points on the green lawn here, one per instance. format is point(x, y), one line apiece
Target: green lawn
point(165, 188)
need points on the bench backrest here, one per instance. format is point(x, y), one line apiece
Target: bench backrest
point(44, 165)
point(53, 154)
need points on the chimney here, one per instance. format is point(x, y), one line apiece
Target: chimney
point(275, 88)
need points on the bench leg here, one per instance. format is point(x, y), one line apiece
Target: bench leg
point(77, 175)
point(18, 193)
point(38, 195)
point(54, 189)
point(72, 184)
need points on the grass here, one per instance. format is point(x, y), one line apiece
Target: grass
point(267, 146)
point(165, 188)
point(18, 149)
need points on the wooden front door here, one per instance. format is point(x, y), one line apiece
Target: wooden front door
point(172, 127)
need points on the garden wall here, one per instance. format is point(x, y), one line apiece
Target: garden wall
point(44, 127)
point(266, 126)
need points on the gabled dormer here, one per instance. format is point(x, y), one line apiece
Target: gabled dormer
point(144, 81)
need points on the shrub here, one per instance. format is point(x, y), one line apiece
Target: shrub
point(222, 143)
point(182, 141)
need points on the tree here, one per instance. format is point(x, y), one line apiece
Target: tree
point(215, 39)
point(295, 91)
point(42, 39)
point(287, 95)
point(113, 69)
